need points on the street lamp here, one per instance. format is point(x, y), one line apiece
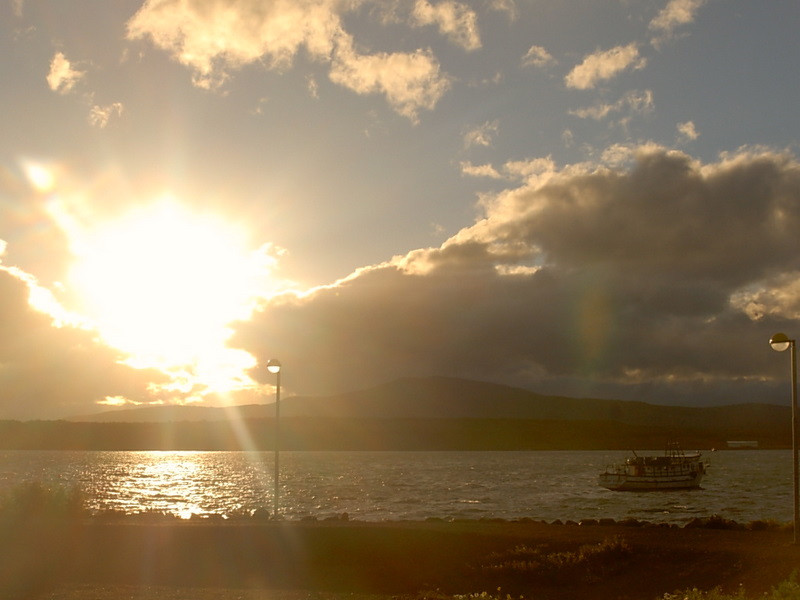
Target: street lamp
point(274, 367)
point(780, 342)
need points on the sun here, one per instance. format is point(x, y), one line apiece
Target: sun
point(163, 282)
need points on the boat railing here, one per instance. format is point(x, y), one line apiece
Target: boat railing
point(616, 469)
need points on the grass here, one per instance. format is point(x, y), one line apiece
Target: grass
point(589, 563)
point(38, 523)
point(786, 590)
point(35, 500)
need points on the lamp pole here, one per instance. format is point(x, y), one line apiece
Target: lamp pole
point(274, 367)
point(781, 342)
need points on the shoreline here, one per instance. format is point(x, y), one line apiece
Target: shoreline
point(248, 559)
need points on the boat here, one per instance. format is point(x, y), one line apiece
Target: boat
point(674, 470)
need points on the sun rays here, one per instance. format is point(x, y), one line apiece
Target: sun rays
point(162, 283)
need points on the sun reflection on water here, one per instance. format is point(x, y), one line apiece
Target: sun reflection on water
point(184, 483)
point(743, 486)
point(169, 482)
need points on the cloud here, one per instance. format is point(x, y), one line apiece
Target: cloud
point(455, 20)
point(604, 65)
point(675, 14)
point(62, 77)
point(635, 101)
point(635, 282)
point(536, 56)
point(509, 7)
point(100, 115)
point(313, 87)
point(410, 82)
point(49, 370)
point(688, 131)
point(530, 171)
point(481, 135)
point(467, 168)
point(215, 37)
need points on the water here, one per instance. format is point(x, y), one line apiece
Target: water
point(375, 486)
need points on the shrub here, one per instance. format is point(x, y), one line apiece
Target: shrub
point(588, 563)
point(786, 590)
point(35, 500)
point(713, 522)
point(768, 524)
point(715, 594)
point(36, 527)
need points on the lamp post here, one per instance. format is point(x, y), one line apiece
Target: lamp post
point(780, 342)
point(274, 367)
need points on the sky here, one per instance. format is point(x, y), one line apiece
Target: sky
point(590, 198)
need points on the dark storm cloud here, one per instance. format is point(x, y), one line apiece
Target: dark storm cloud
point(669, 217)
point(661, 281)
point(53, 372)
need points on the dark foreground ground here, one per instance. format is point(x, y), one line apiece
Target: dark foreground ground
point(355, 560)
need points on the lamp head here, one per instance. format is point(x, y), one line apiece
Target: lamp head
point(274, 365)
point(780, 342)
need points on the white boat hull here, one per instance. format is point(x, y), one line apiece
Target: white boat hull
point(623, 482)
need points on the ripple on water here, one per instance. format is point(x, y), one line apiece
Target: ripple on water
point(745, 485)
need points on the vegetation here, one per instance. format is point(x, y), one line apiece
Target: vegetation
point(34, 500)
point(786, 590)
point(307, 433)
point(590, 563)
point(37, 523)
point(48, 538)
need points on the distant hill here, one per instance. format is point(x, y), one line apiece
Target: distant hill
point(177, 414)
point(432, 413)
point(450, 398)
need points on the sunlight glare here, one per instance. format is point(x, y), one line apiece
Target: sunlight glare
point(162, 283)
point(40, 177)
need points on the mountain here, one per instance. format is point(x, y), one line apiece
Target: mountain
point(431, 413)
point(177, 414)
point(442, 397)
point(449, 398)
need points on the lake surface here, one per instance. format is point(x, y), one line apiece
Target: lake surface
point(374, 486)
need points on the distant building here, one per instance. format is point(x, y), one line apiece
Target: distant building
point(737, 445)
